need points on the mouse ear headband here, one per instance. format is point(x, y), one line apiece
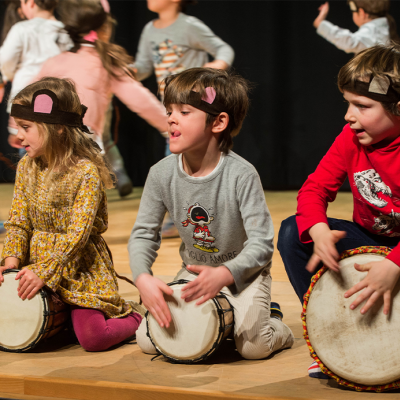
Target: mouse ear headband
point(44, 108)
point(208, 103)
point(379, 88)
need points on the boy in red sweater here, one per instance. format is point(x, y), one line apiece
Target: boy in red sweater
point(368, 153)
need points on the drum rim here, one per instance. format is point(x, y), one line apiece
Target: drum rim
point(216, 344)
point(358, 387)
point(46, 315)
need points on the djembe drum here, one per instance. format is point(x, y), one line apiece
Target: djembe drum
point(25, 323)
point(358, 351)
point(195, 332)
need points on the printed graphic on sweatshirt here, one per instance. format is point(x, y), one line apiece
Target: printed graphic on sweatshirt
point(166, 56)
point(384, 224)
point(369, 184)
point(198, 216)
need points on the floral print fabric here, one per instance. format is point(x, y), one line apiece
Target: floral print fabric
point(59, 238)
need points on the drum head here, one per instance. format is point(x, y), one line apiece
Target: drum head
point(192, 332)
point(20, 320)
point(360, 348)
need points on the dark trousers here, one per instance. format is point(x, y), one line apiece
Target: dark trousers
point(296, 254)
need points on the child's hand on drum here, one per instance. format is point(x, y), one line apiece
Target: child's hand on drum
point(380, 281)
point(9, 263)
point(29, 284)
point(208, 283)
point(152, 291)
point(324, 247)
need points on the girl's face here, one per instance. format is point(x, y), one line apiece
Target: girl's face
point(370, 122)
point(30, 137)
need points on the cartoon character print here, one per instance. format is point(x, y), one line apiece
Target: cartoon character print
point(165, 58)
point(200, 218)
point(369, 184)
point(385, 224)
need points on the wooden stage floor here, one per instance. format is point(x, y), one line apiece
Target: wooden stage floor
point(60, 368)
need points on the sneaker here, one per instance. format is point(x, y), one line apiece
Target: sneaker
point(314, 371)
point(276, 311)
point(2, 229)
point(124, 184)
point(169, 230)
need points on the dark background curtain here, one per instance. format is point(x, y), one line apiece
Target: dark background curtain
point(296, 109)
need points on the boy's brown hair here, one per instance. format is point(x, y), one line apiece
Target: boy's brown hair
point(232, 91)
point(380, 61)
point(377, 9)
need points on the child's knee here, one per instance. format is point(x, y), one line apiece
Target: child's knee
point(288, 233)
point(253, 351)
point(93, 342)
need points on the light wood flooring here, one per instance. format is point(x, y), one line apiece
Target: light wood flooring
point(60, 368)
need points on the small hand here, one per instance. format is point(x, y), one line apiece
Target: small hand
point(152, 291)
point(1, 92)
point(29, 284)
point(324, 247)
point(323, 13)
point(380, 281)
point(208, 284)
point(216, 64)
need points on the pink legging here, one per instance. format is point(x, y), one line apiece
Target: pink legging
point(96, 333)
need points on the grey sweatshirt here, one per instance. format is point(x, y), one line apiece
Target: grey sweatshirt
point(180, 46)
point(222, 218)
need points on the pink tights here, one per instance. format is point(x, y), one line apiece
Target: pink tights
point(96, 333)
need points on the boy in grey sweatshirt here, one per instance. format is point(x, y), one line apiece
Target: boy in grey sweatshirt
point(217, 202)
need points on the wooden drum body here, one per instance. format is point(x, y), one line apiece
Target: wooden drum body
point(358, 351)
point(23, 323)
point(195, 332)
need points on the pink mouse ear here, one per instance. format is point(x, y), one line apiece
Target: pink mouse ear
point(209, 95)
point(43, 104)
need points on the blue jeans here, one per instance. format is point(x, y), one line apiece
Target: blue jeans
point(296, 254)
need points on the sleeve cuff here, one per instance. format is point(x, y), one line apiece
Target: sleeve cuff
point(394, 256)
point(49, 273)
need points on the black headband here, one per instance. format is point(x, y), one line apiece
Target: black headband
point(378, 88)
point(44, 108)
point(207, 103)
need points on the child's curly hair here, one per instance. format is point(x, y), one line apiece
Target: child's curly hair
point(376, 61)
point(64, 146)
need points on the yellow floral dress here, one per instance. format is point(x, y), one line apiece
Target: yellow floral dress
point(60, 240)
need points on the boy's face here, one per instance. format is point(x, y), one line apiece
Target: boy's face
point(370, 122)
point(187, 129)
point(158, 6)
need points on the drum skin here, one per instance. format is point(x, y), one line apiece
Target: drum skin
point(193, 331)
point(360, 351)
point(24, 322)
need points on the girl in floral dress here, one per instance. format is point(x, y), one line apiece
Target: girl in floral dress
point(59, 212)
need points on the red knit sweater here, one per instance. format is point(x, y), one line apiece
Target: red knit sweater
point(374, 175)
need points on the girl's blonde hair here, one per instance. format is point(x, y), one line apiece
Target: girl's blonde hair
point(377, 61)
point(82, 16)
point(64, 146)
